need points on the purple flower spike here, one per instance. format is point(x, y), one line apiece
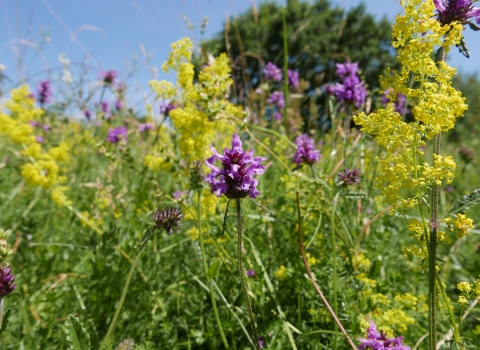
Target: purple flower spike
point(251, 273)
point(377, 341)
point(44, 92)
point(87, 114)
point(6, 281)
point(105, 107)
point(235, 178)
point(349, 177)
point(277, 98)
point(118, 105)
point(179, 194)
point(117, 134)
point(456, 10)
point(273, 72)
point(293, 78)
point(168, 219)
point(306, 152)
point(351, 90)
point(108, 77)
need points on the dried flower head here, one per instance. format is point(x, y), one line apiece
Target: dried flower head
point(377, 341)
point(6, 281)
point(168, 219)
point(235, 179)
point(349, 177)
point(306, 152)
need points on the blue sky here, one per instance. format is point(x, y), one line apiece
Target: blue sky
point(109, 34)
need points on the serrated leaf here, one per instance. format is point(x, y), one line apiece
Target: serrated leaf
point(473, 27)
point(213, 270)
point(465, 202)
point(77, 336)
point(352, 195)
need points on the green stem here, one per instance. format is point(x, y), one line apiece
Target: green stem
point(107, 343)
point(285, 68)
point(242, 276)
point(1, 311)
point(334, 256)
point(205, 269)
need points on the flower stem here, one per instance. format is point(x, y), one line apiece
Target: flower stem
point(242, 276)
point(334, 265)
point(1, 311)
point(205, 269)
point(285, 68)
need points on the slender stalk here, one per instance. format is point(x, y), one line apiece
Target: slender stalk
point(205, 269)
point(1, 311)
point(305, 262)
point(334, 266)
point(285, 68)
point(106, 342)
point(242, 276)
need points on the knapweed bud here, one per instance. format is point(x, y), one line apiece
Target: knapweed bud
point(168, 219)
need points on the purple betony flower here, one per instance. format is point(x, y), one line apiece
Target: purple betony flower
point(6, 282)
point(44, 92)
point(87, 114)
point(251, 273)
point(456, 10)
point(273, 72)
point(235, 178)
point(104, 106)
point(351, 90)
point(108, 77)
point(277, 98)
point(293, 78)
point(277, 116)
point(118, 105)
point(116, 135)
point(261, 341)
point(306, 152)
point(399, 104)
point(377, 341)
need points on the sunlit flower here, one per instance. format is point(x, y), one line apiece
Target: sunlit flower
point(377, 341)
point(116, 135)
point(6, 282)
point(108, 77)
point(456, 11)
point(146, 126)
point(306, 152)
point(166, 108)
point(168, 220)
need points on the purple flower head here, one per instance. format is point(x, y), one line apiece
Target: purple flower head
point(273, 72)
point(108, 77)
point(377, 341)
point(146, 126)
point(456, 10)
point(466, 154)
point(104, 106)
point(351, 90)
point(251, 273)
point(349, 177)
point(399, 105)
point(347, 69)
point(39, 139)
point(6, 281)
point(87, 114)
point(178, 194)
point(168, 219)
point(44, 92)
point(277, 98)
point(166, 108)
point(117, 134)
point(330, 89)
point(235, 178)
point(306, 152)
point(261, 341)
point(293, 78)
point(118, 105)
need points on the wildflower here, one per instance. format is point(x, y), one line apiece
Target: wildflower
point(462, 300)
point(39, 139)
point(251, 273)
point(351, 90)
point(116, 135)
point(349, 177)
point(6, 282)
point(118, 105)
point(261, 341)
point(399, 104)
point(378, 341)
point(281, 273)
point(273, 72)
point(126, 344)
point(87, 114)
point(293, 78)
point(145, 127)
point(306, 152)
point(105, 107)
point(277, 116)
point(108, 77)
point(168, 219)
point(178, 194)
point(277, 98)
point(5, 250)
point(465, 287)
point(456, 11)
point(466, 154)
point(166, 108)
point(44, 92)
point(235, 179)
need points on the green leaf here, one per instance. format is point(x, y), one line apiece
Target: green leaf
point(352, 194)
point(6, 317)
point(213, 270)
point(77, 336)
point(462, 47)
point(465, 202)
point(473, 27)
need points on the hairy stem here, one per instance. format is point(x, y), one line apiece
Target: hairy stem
point(242, 276)
point(205, 269)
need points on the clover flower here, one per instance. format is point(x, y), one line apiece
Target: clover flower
point(306, 152)
point(6, 282)
point(293, 78)
point(44, 92)
point(351, 90)
point(277, 98)
point(145, 127)
point(235, 179)
point(168, 219)
point(166, 108)
point(273, 72)
point(108, 77)
point(349, 177)
point(116, 135)
point(457, 11)
point(377, 341)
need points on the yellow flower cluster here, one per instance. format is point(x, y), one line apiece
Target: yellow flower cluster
point(460, 225)
point(416, 35)
point(203, 108)
point(281, 273)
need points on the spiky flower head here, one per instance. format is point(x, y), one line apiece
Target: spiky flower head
point(6, 281)
point(168, 219)
point(44, 92)
point(349, 177)
point(462, 11)
point(167, 107)
point(306, 152)
point(273, 72)
point(466, 154)
point(108, 77)
point(235, 179)
point(378, 341)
